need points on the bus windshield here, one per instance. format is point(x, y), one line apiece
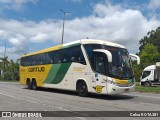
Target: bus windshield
point(120, 67)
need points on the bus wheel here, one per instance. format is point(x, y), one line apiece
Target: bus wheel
point(82, 89)
point(147, 84)
point(34, 84)
point(29, 84)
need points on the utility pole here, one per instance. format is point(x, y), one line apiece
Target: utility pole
point(4, 54)
point(4, 50)
point(64, 14)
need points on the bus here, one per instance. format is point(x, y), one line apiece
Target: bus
point(85, 66)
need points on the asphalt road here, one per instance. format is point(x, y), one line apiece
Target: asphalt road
point(15, 97)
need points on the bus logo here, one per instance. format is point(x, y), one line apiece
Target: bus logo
point(6, 114)
point(98, 88)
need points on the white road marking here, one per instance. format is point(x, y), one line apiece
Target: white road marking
point(59, 108)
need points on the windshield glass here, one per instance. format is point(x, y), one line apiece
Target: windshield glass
point(120, 67)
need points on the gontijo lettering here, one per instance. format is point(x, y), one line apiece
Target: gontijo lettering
point(36, 69)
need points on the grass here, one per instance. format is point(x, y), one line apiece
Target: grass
point(8, 80)
point(148, 89)
point(143, 89)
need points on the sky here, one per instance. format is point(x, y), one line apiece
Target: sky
point(31, 25)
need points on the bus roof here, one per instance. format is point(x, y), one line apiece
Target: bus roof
point(75, 43)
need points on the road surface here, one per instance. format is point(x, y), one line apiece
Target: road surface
point(15, 97)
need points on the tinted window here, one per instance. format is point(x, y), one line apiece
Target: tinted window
point(76, 55)
point(61, 56)
point(39, 59)
point(50, 57)
point(26, 61)
point(23, 61)
point(100, 64)
point(73, 54)
point(89, 49)
point(146, 73)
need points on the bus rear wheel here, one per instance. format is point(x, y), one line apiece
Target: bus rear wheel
point(29, 84)
point(34, 84)
point(82, 89)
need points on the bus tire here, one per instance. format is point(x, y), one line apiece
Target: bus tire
point(82, 89)
point(34, 84)
point(29, 84)
point(147, 84)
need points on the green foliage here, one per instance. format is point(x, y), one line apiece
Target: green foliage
point(149, 52)
point(10, 69)
point(149, 55)
point(153, 37)
point(148, 89)
point(137, 71)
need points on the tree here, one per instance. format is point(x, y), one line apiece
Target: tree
point(4, 65)
point(149, 54)
point(13, 70)
point(153, 37)
point(149, 51)
point(9, 68)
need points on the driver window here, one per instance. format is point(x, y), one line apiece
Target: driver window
point(146, 73)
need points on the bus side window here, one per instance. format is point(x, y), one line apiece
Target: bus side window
point(72, 59)
point(61, 56)
point(28, 61)
point(42, 58)
point(33, 61)
point(22, 61)
point(37, 59)
point(57, 58)
point(64, 55)
point(50, 57)
point(76, 55)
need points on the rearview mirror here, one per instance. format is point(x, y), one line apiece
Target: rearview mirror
point(136, 57)
point(106, 52)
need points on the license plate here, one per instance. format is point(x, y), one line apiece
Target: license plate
point(126, 90)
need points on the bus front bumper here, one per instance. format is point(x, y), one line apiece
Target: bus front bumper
point(113, 89)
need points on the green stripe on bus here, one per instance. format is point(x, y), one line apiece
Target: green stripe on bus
point(52, 73)
point(57, 73)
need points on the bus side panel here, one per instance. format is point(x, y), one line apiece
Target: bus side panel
point(39, 73)
point(56, 77)
point(22, 75)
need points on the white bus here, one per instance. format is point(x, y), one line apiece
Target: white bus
point(85, 66)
